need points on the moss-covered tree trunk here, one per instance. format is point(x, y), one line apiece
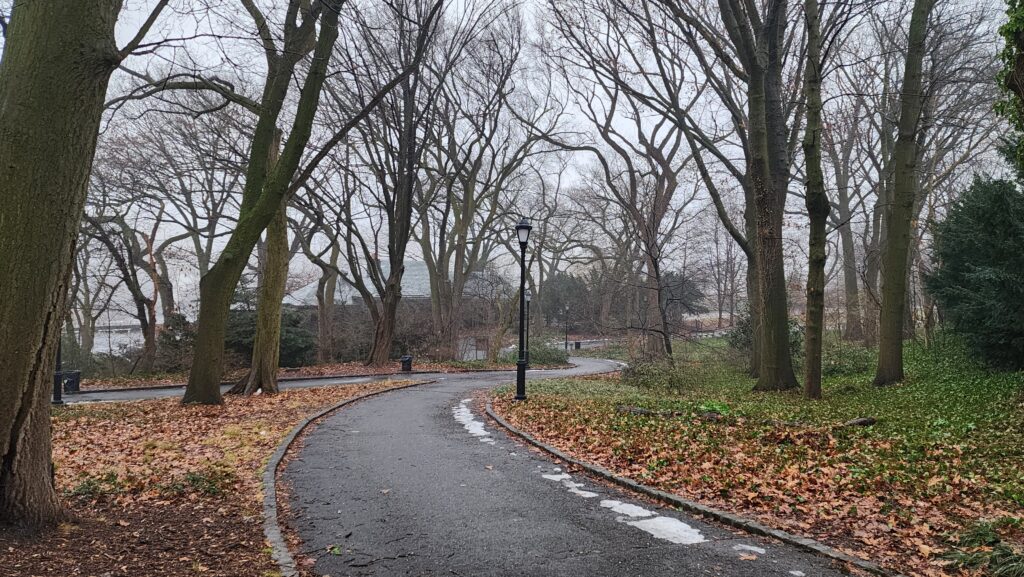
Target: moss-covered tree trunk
point(817, 204)
point(266, 348)
point(754, 309)
point(776, 366)
point(265, 192)
point(56, 63)
point(901, 211)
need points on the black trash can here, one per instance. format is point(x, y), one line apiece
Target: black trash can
point(406, 363)
point(72, 382)
point(577, 345)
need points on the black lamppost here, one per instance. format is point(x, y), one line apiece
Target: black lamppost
point(523, 232)
point(567, 327)
point(529, 297)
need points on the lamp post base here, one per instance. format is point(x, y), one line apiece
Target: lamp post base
point(521, 380)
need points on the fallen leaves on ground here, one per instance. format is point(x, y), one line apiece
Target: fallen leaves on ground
point(158, 488)
point(873, 496)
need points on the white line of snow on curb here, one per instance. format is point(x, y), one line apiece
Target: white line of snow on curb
point(669, 529)
point(558, 477)
point(570, 485)
point(627, 509)
point(575, 489)
point(464, 415)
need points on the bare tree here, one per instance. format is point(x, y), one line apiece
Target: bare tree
point(93, 286)
point(383, 171)
point(480, 154)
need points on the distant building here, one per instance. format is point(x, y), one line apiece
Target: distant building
point(415, 285)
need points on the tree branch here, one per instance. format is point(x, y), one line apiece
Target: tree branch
point(141, 34)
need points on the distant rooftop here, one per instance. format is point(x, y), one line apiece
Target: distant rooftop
point(415, 284)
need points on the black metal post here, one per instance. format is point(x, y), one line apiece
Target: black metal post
point(58, 379)
point(521, 363)
point(527, 334)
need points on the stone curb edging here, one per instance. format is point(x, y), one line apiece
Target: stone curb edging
point(748, 525)
point(271, 525)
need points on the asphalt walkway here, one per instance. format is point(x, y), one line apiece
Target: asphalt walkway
point(414, 482)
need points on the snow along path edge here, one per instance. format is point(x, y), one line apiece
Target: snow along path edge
point(271, 523)
point(748, 525)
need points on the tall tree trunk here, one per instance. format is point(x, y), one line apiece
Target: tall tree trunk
point(854, 329)
point(57, 61)
point(266, 350)
point(384, 330)
point(754, 306)
point(165, 288)
point(872, 268)
point(895, 253)
point(817, 204)
point(753, 290)
point(265, 192)
point(148, 358)
point(266, 347)
point(326, 291)
point(216, 290)
point(659, 339)
point(776, 366)
point(87, 337)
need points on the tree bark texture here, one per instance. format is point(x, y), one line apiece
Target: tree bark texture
point(817, 204)
point(57, 61)
point(266, 190)
point(266, 347)
point(901, 211)
point(769, 176)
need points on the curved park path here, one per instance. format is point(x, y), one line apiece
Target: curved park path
point(413, 482)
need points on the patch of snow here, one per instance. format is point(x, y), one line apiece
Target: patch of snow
point(797, 573)
point(558, 477)
point(627, 509)
point(669, 529)
point(464, 415)
point(572, 486)
point(751, 548)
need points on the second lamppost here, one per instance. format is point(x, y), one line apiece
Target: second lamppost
point(523, 232)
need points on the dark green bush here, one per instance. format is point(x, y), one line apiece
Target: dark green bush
point(846, 359)
point(979, 279)
point(741, 337)
point(660, 375)
point(298, 343)
point(174, 345)
point(541, 353)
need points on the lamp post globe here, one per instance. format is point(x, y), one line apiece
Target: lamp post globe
point(523, 235)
